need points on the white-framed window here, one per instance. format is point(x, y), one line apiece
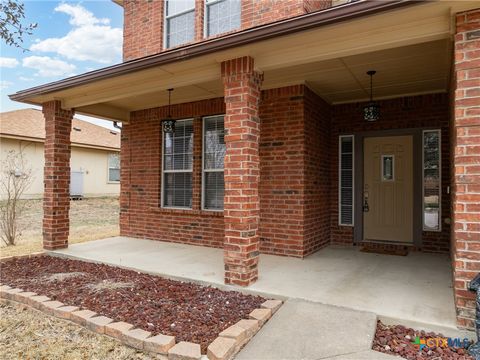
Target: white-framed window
point(213, 185)
point(432, 180)
point(222, 16)
point(114, 167)
point(179, 22)
point(345, 180)
point(177, 164)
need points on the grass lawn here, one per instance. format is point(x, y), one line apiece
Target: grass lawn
point(30, 334)
point(90, 219)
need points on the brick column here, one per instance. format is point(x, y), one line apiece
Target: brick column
point(199, 19)
point(56, 197)
point(242, 173)
point(466, 161)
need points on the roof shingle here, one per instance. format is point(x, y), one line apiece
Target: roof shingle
point(30, 123)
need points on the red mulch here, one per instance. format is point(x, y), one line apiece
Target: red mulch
point(189, 312)
point(398, 340)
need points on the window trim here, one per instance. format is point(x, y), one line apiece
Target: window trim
point(108, 168)
point(206, 3)
point(340, 179)
point(168, 17)
point(203, 164)
point(163, 171)
point(439, 131)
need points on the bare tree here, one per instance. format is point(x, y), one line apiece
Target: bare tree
point(13, 28)
point(16, 176)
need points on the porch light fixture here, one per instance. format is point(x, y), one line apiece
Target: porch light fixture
point(371, 111)
point(168, 124)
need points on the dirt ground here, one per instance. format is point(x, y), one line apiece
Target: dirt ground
point(30, 334)
point(90, 219)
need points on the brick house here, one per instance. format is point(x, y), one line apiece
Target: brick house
point(277, 148)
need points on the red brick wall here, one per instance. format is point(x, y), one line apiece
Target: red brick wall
point(401, 113)
point(466, 163)
point(143, 20)
point(288, 161)
point(142, 28)
point(317, 172)
point(140, 211)
point(281, 171)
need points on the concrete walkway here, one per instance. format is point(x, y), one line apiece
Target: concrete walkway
point(306, 330)
point(408, 290)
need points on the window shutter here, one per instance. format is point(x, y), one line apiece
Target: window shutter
point(346, 169)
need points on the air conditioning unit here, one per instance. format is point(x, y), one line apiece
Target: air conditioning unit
point(76, 185)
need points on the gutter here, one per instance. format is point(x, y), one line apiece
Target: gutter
point(74, 144)
point(297, 24)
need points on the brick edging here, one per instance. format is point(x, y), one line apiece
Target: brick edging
point(35, 254)
point(224, 347)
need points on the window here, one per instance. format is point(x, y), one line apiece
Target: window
point(431, 181)
point(388, 166)
point(114, 167)
point(222, 16)
point(213, 156)
point(179, 22)
point(345, 193)
point(177, 166)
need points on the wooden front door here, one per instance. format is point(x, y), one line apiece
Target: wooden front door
point(388, 189)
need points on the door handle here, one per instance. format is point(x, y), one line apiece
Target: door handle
point(365, 206)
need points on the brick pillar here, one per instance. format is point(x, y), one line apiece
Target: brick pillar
point(466, 161)
point(199, 19)
point(56, 197)
point(242, 173)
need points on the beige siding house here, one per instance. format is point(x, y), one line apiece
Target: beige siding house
point(94, 156)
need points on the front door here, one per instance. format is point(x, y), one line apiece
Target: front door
point(388, 189)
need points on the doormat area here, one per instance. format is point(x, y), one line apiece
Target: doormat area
point(385, 249)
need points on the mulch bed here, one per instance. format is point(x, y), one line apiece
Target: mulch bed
point(399, 340)
point(190, 312)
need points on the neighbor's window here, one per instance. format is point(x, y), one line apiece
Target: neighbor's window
point(179, 22)
point(177, 165)
point(222, 16)
point(113, 167)
point(345, 193)
point(213, 157)
point(431, 181)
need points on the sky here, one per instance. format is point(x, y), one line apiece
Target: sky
point(71, 38)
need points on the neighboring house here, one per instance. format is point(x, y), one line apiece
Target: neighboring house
point(95, 153)
point(277, 148)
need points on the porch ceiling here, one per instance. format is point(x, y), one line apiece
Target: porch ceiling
point(409, 47)
point(413, 69)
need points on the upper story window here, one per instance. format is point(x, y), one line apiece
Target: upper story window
point(222, 16)
point(179, 22)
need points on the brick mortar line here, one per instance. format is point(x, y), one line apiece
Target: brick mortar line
point(229, 342)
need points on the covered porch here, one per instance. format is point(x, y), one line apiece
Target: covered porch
point(413, 289)
point(285, 98)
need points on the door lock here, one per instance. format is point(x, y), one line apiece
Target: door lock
point(365, 206)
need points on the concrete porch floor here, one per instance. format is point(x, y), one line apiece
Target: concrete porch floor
point(415, 289)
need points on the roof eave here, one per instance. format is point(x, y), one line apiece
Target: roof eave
point(264, 32)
